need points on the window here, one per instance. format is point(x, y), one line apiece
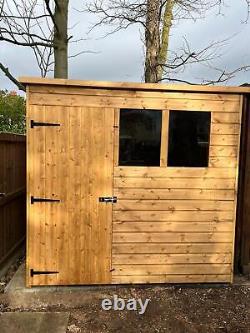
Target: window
point(140, 137)
point(189, 133)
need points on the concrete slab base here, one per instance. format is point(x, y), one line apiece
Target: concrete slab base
point(35, 322)
point(41, 301)
point(17, 296)
point(17, 284)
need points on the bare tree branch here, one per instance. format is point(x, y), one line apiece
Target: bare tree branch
point(171, 79)
point(6, 71)
point(4, 31)
point(118, 14)
point(164, 63)
point(47, 4)
point(26, 23)
point(42, 26)
point(224, 75)
point(29, 44)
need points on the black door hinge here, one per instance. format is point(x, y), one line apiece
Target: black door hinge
point(34, 123)
point(33, 200)
point(108, 199)
point(32, 272)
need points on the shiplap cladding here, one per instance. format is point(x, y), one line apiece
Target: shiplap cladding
point(177, 224)
point(169, 224)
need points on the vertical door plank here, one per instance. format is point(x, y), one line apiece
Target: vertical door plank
point(116, 136)
point(74, 193)
point(109, 184)
point(101, 184)
point(36, 188)
point(85, 226)
point(63, 183)
point(96, 185)
point(51, 192)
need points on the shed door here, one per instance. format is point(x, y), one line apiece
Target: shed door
point(69, 241)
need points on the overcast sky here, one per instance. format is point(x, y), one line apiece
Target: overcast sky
point(119, 57)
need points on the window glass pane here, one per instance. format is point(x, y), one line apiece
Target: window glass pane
point(140, 137)
point(189, 133)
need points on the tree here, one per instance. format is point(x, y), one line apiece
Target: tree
point(60, 39)
point(12, 113)
point(41, 26)
point(157, 17)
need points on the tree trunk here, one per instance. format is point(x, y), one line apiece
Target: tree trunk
point(152, 40)
point(163, 52)
point(61, 39)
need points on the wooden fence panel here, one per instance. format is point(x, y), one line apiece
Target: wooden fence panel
point(12, 192)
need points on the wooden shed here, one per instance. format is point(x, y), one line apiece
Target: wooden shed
point(131, 182)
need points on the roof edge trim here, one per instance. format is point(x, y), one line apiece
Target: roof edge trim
point(135, 86)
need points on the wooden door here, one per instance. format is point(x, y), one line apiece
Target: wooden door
point(69, 240)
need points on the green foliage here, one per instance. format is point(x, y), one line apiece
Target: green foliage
point(12, 112)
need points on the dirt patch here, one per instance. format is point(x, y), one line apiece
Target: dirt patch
point(171, 309)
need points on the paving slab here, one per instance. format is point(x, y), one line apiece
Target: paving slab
point(41, 301)
point(35, 322)
point(18, 296)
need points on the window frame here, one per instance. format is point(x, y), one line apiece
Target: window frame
point(117, 116)
point(209, 144)
point(164, 139)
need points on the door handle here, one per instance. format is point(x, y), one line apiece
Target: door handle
point(108, 199)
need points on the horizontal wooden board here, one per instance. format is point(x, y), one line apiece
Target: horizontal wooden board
point(132, 93)
point(173, 194)
point(223, 151)
point(172, 237)
point(171, 205)
point(168, 248)
point(163, 259)
point(225, 118)
point(184, 183)
point(163, 172)
point(172, 226)
point(223, 129)
point(171, 278)
point(171, 269)
point(31, 81)
point(224, 140)
point(131, 102)
point(223, 162)
point(172, 216)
